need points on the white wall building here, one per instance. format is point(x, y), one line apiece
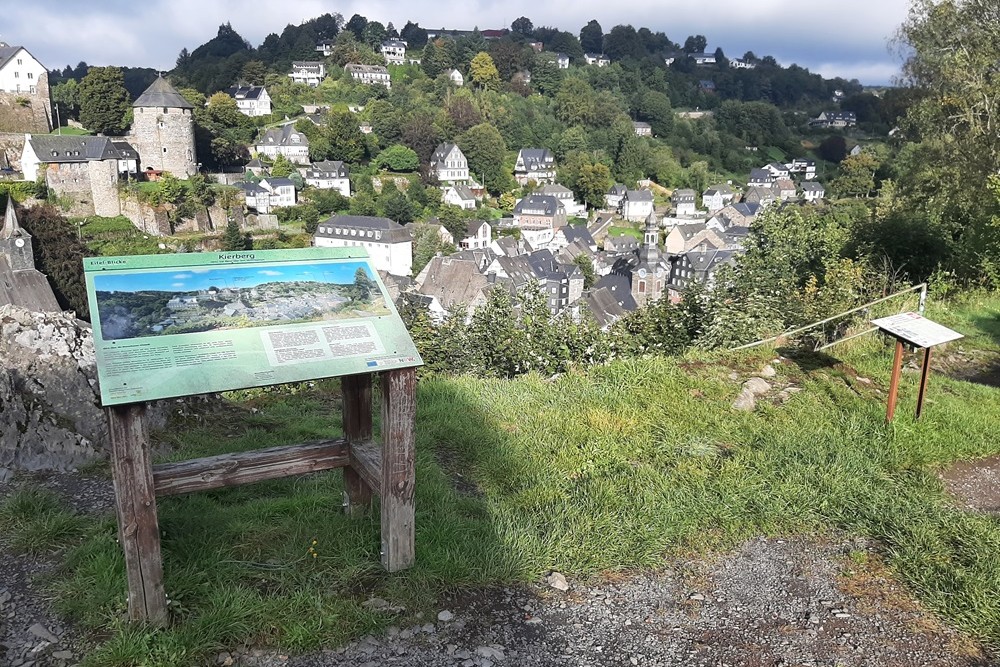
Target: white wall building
point(309, 72)
point(449, 164)
point(19, 71)
point(388, 243)
point(251, 100)
point(370, 75)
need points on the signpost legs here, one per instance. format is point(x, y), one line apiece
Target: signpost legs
point(135, 503)
point(924, 372)
point(357, 403)
point(399, 405)
point(897, 368)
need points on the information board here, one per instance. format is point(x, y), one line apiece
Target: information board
point(916, 330)
point(194, 323)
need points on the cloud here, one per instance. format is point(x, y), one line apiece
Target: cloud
point(270, 273)
point(179, 285)
point(151, 34)
point(182, 276)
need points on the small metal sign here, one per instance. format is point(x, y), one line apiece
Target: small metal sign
point(917, 331)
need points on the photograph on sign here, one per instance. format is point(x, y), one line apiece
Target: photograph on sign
point(916, 330)
point(185, 324)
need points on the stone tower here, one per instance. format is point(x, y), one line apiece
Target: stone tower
point(15, 242)
point(163, 130)
point(649, 277)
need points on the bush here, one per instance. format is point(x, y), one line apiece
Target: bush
point(59, 254)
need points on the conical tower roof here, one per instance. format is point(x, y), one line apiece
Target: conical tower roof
point(161, 94)
point(11, 229)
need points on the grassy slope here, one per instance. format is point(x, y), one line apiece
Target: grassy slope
point(609, 469)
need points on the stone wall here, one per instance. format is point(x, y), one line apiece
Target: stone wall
point(12, 145)
point(27, 112)
point(104, 187)
point(164, 139)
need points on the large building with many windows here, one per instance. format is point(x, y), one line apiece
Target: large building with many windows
point(24, 92)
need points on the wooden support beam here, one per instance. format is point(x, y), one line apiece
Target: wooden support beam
point(366, 463)
point(357, 411)
point(399, 408)
point(215, 472)
point(135, 505)
point(924, 372)
point(897, 369)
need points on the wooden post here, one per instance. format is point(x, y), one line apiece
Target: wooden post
point(399, 408)
point(897, 368)
point(924, 372)
point(135, 502)
point(357, 411)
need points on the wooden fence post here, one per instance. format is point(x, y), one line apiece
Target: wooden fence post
point(135, 503)
point(357, 412)
point(897, 368)
point(399, 409)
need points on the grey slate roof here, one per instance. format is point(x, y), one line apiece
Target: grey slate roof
point(453, 281)
point(473, 227)
point(394, 43)
point(810, 186)
point(161, 94)
point(286, 135)
point(723, 190)
point(602, 305)
point(577, 233)
point(556, 190)
point(683, 195)
point(620, 289)
point(55, 148)
point(621, 244)
point(464, 192)
point(340, 226)
point(442, 151)
point(761, 176)
point(244, 92)
point(330, 168)
point(639, 195)
point(548, 204)
point(279, 182)
point(536, 158)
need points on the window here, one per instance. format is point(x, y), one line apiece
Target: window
point(165, 110)
point(32, 89)
point(31, 75)
point(17, 75)
point(160, 124)
point(164, 149)
point(20, 61)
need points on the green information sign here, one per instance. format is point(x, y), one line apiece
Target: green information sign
point(195, 323)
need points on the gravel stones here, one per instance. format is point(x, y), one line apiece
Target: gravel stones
point(557, 581)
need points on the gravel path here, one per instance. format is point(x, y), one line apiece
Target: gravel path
point(771, 602)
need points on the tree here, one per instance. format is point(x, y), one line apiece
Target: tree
point(363, 204)
point(398, 158)
point(587, 268)
point(484, 73)
point(833, 148)
point(66, 94)
point(654, 108)
point(282, 167)
point(356, 25)
point(233, 238)
point(104, 101)
point(575, 102)
point(414, 35)
point(592, 37)
point(373, 35)
point(395, 205)
point(347, 142)
point(522, 26)
point(623, 42)
point(593, 183)
point(421, 135)
point(695, 44)
point(485, 150)
point(546, 76)
point(857, 175)
point(254, 72)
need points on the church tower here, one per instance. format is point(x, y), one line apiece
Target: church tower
point(649, 277)
point(15, 242)
point(163, 130)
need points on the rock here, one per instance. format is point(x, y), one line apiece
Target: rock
point(746, 401)
point(864, 380)
point(375, 603)
point(757, 386)
point(68, 655)
point(490, 653)
point(698, 597)
point(42, 632)
point(428, 628)
point(768, 371)
point(225, 659)
point(534, 620)
point(557, 581)
point(445, 616)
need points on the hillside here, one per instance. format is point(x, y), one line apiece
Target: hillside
point(587, 473)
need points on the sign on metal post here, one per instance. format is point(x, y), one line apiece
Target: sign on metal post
point(916, 331)
point(196, 323)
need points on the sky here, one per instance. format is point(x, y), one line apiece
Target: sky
point(848, 38)
point(189, 280)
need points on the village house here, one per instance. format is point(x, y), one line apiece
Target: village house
point(760, 178)
point(269, 194)
point(286, 141)
point(568, 235)
point(326, 47)
point(699, 265)
point(776, 169)
point(329, 175)
point(642, 129)
point(738, 63)
point(636, 205)
point(450, 283)
point(566, 196)
point(760, 195)
point(309, 72)
point(535, 164)
point(813, 191)
point(536, 46)
point(682, 238)
point(784, 189)
point(369, 75)
point(479, 235)
point(394, 51)
point(684, 201)
point(538, 216)
point(716, 197)
point(562, 61)
point(252, 101)
point(703, 58)
point(448, 164)
point(24, 92)
point(460, 195)
point(256, 168)
point(595, 59)
point(803, 166)
point(388, 243)
point(838, 119)
point(613, 199)
point(456, 78)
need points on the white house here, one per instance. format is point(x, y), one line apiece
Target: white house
point(835, 119)
point(370, 75)
point(684, 202)
point(642, 129)
point(535, 164)
point(804, 166)
point(284, 140)
point(478, 235)
point(309, 72)
point(636, 205)
point(388, 243)
point(813, 191)
point(251, 100)
point(562, 60)
point(737, 63)
point(281, 190)
point(326, 47)
point(703, 58)
point(717, 197)
point(456, 78)
point(329, 175)
point(394, 51)
point(449, 164)
point(777, 169)
point(460, 195)
point(538, 216)
point(566, 197)
point(65, 154)
point(613, 199)
point(600, 60)
point(19, 71)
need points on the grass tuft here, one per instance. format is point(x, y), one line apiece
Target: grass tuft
point(35, 521)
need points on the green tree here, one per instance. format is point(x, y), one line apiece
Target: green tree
point(254, 72)
point(857, 175)
point(282, 167)
point(373, 35)
point(575, 102)
point(363, 204)
point(592, 37)
point(483, 72)
point(654, 108)
point(398, 158)
point(347, 142)
point(485, 150)
point(233, 238)
point(587, 267)
point(593, 183)
point(546, 76)
point(522, 26)
point(104, 101)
